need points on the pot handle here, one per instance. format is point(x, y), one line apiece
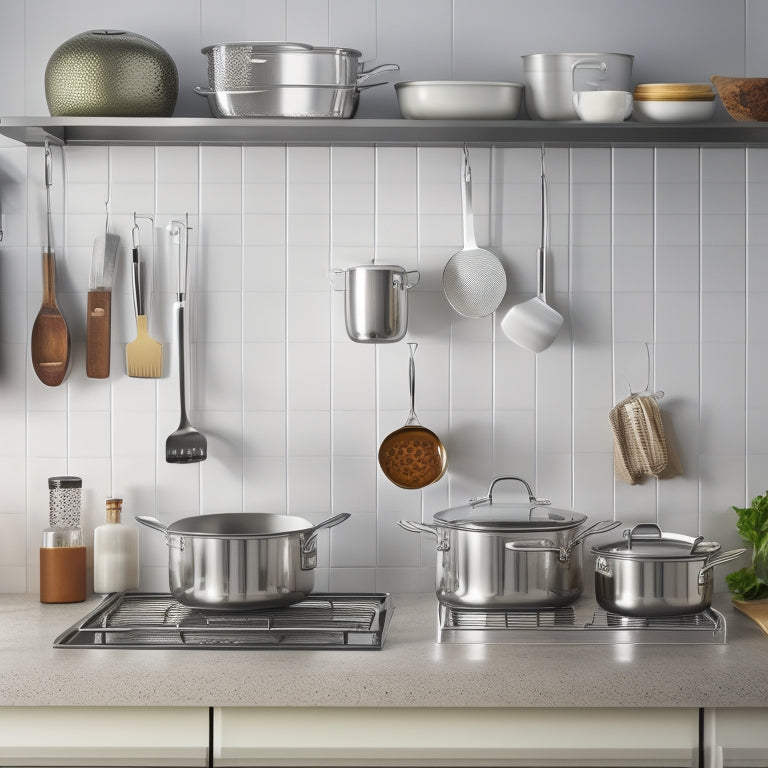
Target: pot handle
point(309, 533)
point(442, 542)
point(724, 558)
point(371, 85)
point(489, 496)
point(308, 540)
point(563, 553)
point(586, 64)
point(398, 282)
point(152, 522)
point(602, 526)
point(333, 279)
point(363, 76)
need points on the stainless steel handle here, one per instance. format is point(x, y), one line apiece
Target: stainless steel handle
point(442, 542)
point(371, 85)
point(563, 553)
point(151, 522)
point(724, 558)
point(470, 241)
point(489, 496)
point(333, 279)
point(409, 284)
point(586, 64)
point(363, 76)
point(329, 523)
point(308, 539)
point(602, 526)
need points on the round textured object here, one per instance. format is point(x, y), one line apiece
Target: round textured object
point(111, 73)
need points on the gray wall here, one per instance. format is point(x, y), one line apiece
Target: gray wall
point(673, 40)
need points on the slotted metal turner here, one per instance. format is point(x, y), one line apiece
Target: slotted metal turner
point(186, 444)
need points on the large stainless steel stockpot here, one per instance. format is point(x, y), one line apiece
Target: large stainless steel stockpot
point(241, 561)
point(652, 574)
point(232, 66)
point(508, 555)
point(551, 79)
point(376, 301)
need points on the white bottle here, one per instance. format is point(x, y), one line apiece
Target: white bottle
point(115, 553)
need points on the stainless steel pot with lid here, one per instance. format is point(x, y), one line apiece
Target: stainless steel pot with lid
point(253, 64)
point(508, 555)
point(651, 573)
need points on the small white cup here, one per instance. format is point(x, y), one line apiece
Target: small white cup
point(603, 106)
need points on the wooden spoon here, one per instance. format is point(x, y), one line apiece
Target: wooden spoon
point(51, 343)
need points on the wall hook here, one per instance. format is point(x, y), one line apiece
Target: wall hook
point(646, 392)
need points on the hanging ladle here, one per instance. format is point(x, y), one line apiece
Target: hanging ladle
point(534, 324)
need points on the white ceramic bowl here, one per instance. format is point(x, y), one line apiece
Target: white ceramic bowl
point(458, 100)
point(603, 106)
point(673, 111)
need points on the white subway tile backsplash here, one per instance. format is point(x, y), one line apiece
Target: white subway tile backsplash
point(660, 245)
point(265, 484)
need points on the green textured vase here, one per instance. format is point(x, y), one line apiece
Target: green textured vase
point(111, 73)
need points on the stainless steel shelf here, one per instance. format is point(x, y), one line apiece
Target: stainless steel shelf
point(33, 131)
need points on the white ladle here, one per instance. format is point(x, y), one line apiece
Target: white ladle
point(533, 324)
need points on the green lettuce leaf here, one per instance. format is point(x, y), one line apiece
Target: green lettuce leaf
point(746, 585)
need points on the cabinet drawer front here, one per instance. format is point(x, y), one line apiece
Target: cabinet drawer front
point(104, 736)
point(454, 737)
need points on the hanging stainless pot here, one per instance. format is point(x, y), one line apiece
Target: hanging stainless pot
point(262, 64)
point(241, 561)
point(653, 574)
point(509, 556)
point(376, 302)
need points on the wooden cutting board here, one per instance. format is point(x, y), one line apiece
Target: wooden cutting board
point(757, 610)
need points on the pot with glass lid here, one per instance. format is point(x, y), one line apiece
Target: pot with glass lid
point(651, 573)
point(508, 555)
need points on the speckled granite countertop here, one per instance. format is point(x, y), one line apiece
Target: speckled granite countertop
point(411, 670)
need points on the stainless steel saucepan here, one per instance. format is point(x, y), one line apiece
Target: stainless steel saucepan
point(650, 573)
point(241, 561)
point(266, 64)
point(376, 301)
point(320, 101)
point(498, 555)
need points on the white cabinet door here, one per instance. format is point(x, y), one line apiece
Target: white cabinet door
point(104, 736)
point(736, 738)
point(451, 736)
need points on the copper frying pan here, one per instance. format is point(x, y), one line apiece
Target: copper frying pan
point(413, 456)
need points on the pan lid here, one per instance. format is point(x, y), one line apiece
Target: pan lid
point(485, 514)
point(647, 540)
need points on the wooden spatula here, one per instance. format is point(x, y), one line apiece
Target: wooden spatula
point(50, 344)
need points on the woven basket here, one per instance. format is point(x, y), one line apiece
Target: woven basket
point(640, 448)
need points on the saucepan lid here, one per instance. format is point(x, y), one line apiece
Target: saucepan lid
point(485, 514)
point(647, 540)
